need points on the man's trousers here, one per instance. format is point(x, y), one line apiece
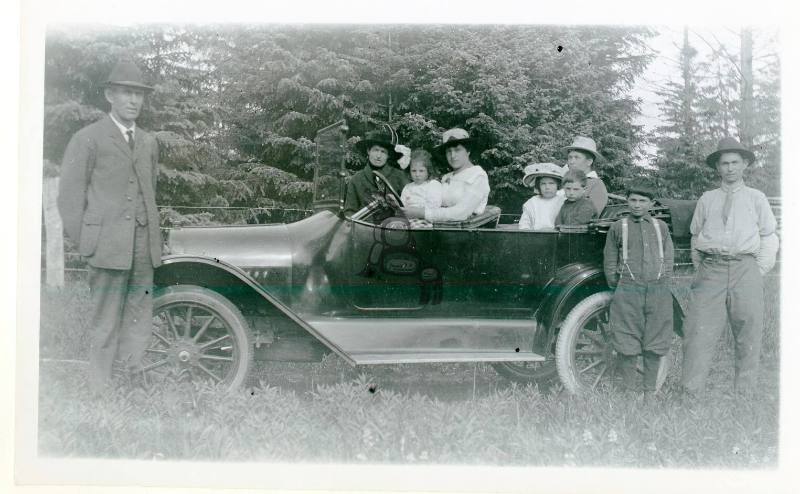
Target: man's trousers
point(122, 308)
point(724, 292)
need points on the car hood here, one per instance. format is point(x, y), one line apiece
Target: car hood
point(255, 246)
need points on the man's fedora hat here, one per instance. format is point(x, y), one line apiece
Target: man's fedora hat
point(585, 144)
point(729, 145)
point(542, 170)
point(641, 190)
point(127, 74)
point(385, 138)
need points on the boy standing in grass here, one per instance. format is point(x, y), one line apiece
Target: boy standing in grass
point(577, 209)
point(638, 259)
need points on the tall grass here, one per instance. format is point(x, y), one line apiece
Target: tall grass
point(330, 412)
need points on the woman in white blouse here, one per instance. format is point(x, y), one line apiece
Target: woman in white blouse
point(465, 190)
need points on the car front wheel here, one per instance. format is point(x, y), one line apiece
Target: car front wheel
point(199, 334)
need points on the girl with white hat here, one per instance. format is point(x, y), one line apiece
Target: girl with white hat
point(540, 211)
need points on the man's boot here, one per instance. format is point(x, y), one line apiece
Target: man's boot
point(630, 375)
point(650, 363)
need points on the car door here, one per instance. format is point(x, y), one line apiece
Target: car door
point(512, 267)
point(397, 268)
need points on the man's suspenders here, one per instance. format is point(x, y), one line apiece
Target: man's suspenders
point(654, 222)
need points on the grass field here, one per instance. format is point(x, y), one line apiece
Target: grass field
point(432, 414)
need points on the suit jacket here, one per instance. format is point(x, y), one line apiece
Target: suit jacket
point(97, 193)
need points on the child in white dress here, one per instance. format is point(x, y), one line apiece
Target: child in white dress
point(540, 211)
point(422, 192)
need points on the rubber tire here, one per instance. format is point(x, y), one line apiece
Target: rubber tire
point(231, 316)
point(568, 336)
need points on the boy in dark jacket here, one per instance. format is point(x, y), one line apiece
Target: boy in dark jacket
point(638, 260)
point(577, 209)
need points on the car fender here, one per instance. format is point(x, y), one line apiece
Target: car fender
point(571, 284)
point(232, 283)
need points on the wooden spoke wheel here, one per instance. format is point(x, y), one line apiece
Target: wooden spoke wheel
point(199, 334)
point(584, 355)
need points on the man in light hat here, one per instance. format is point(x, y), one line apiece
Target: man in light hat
point(107, 202)
point(581, 155)
point(733, 246)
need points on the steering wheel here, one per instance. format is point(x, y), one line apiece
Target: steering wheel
point(386, 188)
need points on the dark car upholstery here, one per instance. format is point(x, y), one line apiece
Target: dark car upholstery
point(487, 219)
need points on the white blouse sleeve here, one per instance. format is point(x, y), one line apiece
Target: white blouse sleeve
point(405, 195)
point(476, 191)
point(433, 194)
point(526, 220)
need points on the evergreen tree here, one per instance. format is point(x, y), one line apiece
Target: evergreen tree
point(236, 108)
point(713, 99)
point(681, 169)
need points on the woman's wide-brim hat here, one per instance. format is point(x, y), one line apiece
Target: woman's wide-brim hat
point(729, 145)
point(585, 144)
point(532, 172)
point(385, 138)
point(453, 137)
point(127, 74)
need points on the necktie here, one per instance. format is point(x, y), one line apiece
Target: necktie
point(726, 208)
point(129, 133)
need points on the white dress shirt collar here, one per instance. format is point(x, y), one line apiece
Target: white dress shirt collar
point(122, 128)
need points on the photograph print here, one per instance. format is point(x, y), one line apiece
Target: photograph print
point(395, 244)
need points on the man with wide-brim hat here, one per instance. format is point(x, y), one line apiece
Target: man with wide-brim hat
point(734, 245)
point(581, 155)
point(379, 148)
point(107, 203)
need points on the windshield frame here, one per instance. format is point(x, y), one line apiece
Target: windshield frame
point(330, 173)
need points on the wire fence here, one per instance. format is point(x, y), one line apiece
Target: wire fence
point(201, 216)
point(74, 266)
point(227, 215)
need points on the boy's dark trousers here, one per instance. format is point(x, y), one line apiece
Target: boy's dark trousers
point(641, 324)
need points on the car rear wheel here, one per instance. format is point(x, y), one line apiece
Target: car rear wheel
point(584, 354)
point(198, 334)
point(585, 357)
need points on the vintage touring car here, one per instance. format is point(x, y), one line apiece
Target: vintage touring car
point(374, 290)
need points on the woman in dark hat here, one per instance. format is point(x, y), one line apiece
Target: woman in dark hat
point(379, 147)
point(465, 190)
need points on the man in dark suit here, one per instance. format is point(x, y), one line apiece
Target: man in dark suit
point(108, 206)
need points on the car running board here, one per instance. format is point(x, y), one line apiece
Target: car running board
point(443, 357)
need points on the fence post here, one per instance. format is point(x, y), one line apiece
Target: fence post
point(53, 234)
